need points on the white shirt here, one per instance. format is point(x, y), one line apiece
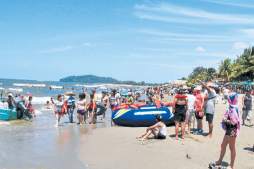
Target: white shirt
point(191, 101)
point(81, 104)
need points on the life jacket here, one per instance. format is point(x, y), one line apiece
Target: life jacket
point(157, 103)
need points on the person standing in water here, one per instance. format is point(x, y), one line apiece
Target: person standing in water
point(29, 106)
point(59, 109)
point(180, 107)
point(81, 109)
point(92, 107)
point(70, 107)
point(231, 125)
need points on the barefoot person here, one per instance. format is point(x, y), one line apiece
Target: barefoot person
point(180, 108)
point(81, 109)
point(209, 105)
point(247, 107)
point(159, 130)
point(92, 108)
point(59, 108)
point(199, 112)
point(231, 125)
point(191, 111)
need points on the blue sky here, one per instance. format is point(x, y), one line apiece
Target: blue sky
point(141, 40)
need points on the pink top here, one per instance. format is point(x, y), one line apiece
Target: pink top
point(232, 113)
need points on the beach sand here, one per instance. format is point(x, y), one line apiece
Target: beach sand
point(117, 148)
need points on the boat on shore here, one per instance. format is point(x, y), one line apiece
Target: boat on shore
point(143, 116)
point(8, 114)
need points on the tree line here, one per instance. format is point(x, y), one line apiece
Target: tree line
point(239, 69)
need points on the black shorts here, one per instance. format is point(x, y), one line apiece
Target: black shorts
point(160, 136)
point(231, 130)
point(209, 118)
point(180, 117)
point(197, 116)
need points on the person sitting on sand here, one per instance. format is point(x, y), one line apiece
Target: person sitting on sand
point(158, 130)
point(231, 125)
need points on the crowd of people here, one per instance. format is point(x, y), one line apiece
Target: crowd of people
point(22, 104)
point(190, 107)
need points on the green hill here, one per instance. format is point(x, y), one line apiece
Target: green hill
point(89, 79)
point(97, 79)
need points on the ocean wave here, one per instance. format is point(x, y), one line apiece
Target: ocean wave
point(40, 100)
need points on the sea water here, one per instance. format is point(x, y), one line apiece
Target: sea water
point(39, 144)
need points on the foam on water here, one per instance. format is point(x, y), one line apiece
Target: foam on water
point(40, 100)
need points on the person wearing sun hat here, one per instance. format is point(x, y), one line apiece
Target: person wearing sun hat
point(209, 106)
point(231, 125)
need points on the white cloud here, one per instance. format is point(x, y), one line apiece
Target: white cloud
point(240, 45)
point(173, 13)
point(248, 32)
point(170, 36)
point(66, 48)
point(200, 49)
point(230, 3)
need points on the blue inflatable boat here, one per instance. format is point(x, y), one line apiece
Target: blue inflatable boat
point(142, 117)
point(8, 114)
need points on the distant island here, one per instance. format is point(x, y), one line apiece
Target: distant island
point(98, 79)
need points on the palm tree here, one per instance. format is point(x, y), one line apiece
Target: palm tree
point(244, 65)
point(226, 69)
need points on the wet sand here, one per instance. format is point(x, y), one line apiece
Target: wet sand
point(116, 147)
point(40, 145)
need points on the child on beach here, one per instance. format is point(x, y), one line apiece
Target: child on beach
point(59, 109)
point(231, 125)
point(159, 130)
point(81, 109)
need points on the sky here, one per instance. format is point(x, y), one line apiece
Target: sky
point(140, 40)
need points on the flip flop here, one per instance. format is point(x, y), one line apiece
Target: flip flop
point(213, 165)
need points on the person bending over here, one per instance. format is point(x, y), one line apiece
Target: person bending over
point(158, 130)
